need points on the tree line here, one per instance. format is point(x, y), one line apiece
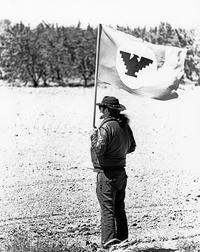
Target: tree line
point(50, 53)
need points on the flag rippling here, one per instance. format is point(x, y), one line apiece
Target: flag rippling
point(139, 67)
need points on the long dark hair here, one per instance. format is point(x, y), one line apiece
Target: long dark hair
point(121, 118)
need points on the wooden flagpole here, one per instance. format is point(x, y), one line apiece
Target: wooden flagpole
point(96, 71)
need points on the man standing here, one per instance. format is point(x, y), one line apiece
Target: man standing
point(110, 144)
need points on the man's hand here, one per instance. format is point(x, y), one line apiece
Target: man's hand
point(93, 134)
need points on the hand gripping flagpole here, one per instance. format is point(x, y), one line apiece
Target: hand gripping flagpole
point(96, 71)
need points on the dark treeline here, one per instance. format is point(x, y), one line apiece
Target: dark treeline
point(50, 53)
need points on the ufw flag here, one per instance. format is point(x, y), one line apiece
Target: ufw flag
point(139, 67)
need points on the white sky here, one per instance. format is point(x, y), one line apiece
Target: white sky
point(179, 13)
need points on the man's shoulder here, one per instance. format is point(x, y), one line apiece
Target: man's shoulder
point(108, 122)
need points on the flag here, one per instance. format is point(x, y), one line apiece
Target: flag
point(139, 67)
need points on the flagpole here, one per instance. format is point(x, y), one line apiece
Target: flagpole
point(96, 71)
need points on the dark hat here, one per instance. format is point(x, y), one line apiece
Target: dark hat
point(112, 103)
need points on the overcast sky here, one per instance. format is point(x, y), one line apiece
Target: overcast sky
point(179, 13)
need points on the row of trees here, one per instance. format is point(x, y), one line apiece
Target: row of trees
point(47, 53)
point(52, 53)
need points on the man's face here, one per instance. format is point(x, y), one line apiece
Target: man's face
point(101, 110)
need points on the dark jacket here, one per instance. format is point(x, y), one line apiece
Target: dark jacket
point(111, 143)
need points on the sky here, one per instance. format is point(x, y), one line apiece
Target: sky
point(132, 13)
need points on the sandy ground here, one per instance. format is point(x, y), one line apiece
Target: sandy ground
point(47, 185)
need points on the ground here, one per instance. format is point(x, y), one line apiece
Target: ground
point(47, 185)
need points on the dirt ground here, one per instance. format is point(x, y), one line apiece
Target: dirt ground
point(47, 185)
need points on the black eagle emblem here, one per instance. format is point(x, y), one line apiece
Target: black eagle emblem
point(133, 65)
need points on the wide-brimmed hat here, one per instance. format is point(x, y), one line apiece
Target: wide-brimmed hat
point(112, 103)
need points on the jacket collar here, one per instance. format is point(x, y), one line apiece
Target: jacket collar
point(107, 120)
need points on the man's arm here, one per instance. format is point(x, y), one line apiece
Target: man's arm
point(132, 140)
point(99, 141)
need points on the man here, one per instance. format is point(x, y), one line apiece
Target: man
point(110, 144)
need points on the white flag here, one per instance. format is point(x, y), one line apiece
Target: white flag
point(139, 67)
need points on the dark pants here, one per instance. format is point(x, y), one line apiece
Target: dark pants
point(111, 194)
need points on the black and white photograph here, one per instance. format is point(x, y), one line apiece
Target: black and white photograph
point(100, 126)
